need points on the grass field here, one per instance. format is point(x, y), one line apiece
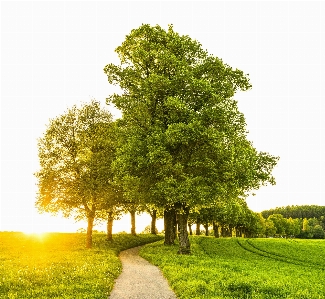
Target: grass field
point(59, 265)
point(243, 268)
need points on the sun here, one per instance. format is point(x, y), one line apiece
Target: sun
point(33, 231)
point(35, 223)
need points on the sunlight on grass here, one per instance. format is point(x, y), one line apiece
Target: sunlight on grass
point(57, 265)
point(36, 235)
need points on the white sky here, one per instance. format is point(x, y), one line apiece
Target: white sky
point(53, 55)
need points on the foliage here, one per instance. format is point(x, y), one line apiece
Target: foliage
point(230, 218)
point(318, 232)
point(303, 211)
point(75, 154)
point(235, 218)
point(59, 266)
point(184, 140)
point(270, 228)
point(234, 268)
point(280, 223)
point(147, 230)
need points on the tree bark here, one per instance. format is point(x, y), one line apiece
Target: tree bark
point(230, 230)
point(153, 229)
point(239, 231)
point(223, 231)
point(110, 219)
point(170, 226)
point(215, 229)
point(132, 213)
point(198, 226)
point(206, 227)
point(190, 229)
point(89, 239)
point(184, 242)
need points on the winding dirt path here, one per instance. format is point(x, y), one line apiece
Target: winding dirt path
point(139, 279)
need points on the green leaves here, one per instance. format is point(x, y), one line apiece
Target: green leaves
point(75, 155)
point(184, 139)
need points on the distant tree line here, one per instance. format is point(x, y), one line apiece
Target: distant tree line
point(295, 211)
point(305, 221)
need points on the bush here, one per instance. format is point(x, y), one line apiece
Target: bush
point(147, 230)
point(319, 232)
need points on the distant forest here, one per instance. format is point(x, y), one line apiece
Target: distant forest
point(304, 211)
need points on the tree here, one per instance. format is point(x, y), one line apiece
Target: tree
point(304, 211)
point(270, 228)
point(280, 223)
point(318, 232)
point(155, 214)
point(185, 141)
point(111, 211)
point(307, 230)
point(293, 227)
point(260, 224)
point(254, 224)
point(75, 156)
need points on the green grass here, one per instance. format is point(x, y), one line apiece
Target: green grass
point(59, 265)
point(308, 253)
point(241, 268)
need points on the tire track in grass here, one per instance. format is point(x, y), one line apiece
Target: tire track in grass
point(248, 246)
point(307, 263)
point(200, 243)
point(295, 259)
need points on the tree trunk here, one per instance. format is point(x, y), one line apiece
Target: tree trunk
point(153, 222)
point(132, 213)
point(174, 221)
point(190, 229)
point(169, 226)
point(215, 229)
point(198, 226)
point(89, 239)
point(206, 227)
point(240, 232)
point(223, 231)
point(230, 230)
point(184, 242)
point(110, 226)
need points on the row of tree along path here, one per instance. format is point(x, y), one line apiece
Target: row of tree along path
point(180, 146)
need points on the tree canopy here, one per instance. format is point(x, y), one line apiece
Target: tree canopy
point(75, 154)
point(295, 211)
point(185, 142)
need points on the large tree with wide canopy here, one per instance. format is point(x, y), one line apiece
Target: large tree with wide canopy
point(185, 142)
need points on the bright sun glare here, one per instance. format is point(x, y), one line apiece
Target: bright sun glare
point(31, 230)
point(39, 224)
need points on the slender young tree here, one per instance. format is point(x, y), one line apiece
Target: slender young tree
point(75, 154)
point(185, 141)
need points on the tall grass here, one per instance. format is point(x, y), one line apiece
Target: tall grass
point(59, 265)
point(240, 268)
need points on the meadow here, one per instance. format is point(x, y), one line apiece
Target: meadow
point(243, 268)
point(59, 266)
